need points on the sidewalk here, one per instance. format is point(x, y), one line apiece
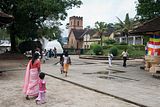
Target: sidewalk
point(132, 85)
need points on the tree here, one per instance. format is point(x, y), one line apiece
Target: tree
point(124, 26)
point(3, 34)
point(110, 28)
point(49, 33)
point(101, 27)
point(148, 9)
point(30, 15)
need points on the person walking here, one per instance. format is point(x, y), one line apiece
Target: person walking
point(66, 63)
point(110, 56)
point(42, 89)
point(61, 60)
point(125, 55)
point(55, 52)
point(50, 53)
point(31, 78)
point(44, 53)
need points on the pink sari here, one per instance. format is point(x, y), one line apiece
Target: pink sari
point(31, 80)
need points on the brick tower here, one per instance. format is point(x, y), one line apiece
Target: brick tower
point(75, 22)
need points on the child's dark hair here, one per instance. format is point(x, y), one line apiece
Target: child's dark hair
point(41, 75)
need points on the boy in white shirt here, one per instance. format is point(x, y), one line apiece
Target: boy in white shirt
point(125, 55)
point(110, 56)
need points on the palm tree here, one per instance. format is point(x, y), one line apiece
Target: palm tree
point(124, 26)
point(101, 27)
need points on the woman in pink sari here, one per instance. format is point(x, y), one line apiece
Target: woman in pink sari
point(31, 79)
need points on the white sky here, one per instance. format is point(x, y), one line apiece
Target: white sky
point(101, 10)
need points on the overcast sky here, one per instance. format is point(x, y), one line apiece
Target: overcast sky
point(101, 10)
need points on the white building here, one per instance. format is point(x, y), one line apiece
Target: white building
point(5, 45)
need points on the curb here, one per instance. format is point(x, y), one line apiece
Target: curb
point(101, 57)
point(92, 89)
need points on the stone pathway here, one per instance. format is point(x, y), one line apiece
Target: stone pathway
point(134, 85)
point(59, 94)
point(126, 87)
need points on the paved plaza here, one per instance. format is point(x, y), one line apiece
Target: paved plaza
point(87, 85)
point(130, 84)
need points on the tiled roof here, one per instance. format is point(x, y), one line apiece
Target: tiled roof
point(78, 32)
point(91, 32)
point(5, 18)
point(149, 26)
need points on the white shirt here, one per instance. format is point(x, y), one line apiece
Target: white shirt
point(110, 56)
point(65, 59)
point(125, 54)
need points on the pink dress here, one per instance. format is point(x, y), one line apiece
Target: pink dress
point(31, 78)
point(42, 91)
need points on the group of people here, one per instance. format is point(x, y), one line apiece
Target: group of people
point(34, 83)
point(46, 54)
point(124, 55)
point(52, 53)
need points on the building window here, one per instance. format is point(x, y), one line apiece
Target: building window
point(77, 23)
point(123, 39)
point(87, 46)
point(138, 40)
point(72, 41)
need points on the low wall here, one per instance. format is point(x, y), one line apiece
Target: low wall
point(98, 57)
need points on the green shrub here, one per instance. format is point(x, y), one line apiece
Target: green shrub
point(88, 52)
point(123, 43)
point(122, 47)
point(107, 46)
point(130, 48)
point(109, 41)
point(105, 52)
point(114, 51)
point(135, 51)
point(97, 49)
point(136, 54)
point(139, 47)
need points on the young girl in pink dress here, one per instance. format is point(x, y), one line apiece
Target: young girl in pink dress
point(42, 89)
